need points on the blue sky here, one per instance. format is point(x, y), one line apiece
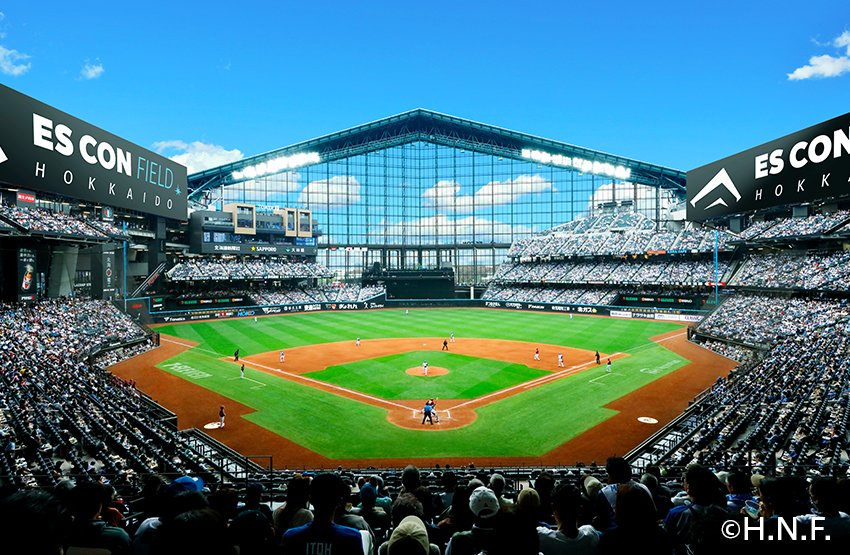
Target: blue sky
point(673, 83)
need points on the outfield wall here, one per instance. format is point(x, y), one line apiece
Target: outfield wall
point(377, 303)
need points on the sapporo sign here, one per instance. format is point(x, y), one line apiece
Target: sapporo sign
point(46, 149)
point(801, 167)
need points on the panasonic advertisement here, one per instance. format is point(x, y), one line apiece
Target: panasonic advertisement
point(46, 149)
point(805, 166)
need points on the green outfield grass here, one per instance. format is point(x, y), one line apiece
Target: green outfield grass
point(468, 377)
point(270, 333)
point(530, 423)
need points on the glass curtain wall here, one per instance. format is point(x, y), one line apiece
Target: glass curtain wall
point(462, 208)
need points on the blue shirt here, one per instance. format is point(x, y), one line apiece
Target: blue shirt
point(321, 537)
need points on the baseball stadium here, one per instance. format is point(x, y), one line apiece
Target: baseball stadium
point(423, 291)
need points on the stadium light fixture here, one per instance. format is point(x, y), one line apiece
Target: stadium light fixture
point(579, 164)
point(276, 165)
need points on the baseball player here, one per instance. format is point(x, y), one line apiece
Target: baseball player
point(560, 360)
point(608, 367)
point(537, 354)
point(222, 414)
point(425, 367)
point(452, 338)
point(433, 404)
point(242, 372)
point(357, 343)
point(282, 355)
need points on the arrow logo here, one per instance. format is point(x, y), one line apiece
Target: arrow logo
point(3, 156)
point(722, 179)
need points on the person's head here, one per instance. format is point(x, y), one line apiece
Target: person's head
point(86, 500)
point(297, 492)
point(483, 503)
point(33, 522)
point(252, 532)
point(702, 485)
point(197, 531)
point(462, 516)
point(592, 487)
point(253, 494)
point(406, 504)
point(410, 479)
point(449, 480)
point(738, 483)
point(825, 495)
point(224, 501)
point(777, 497)
point(528, 502)
point(634, 507)
point(651, 483)
point(566, 503)
point(368, 495)
point(327, 492)
point(409, 538)
point(618, 470)
point(497, 484)
point(183, 502)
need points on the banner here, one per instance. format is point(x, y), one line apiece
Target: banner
point(27, 274)
point(46, 149)
point(801, 167)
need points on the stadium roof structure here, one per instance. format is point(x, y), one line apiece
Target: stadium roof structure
point(422, 125)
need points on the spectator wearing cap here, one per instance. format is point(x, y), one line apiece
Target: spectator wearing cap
point(373, 515)
point(327, 493)
point(484, 506)
point(569, 537)
point(409, 538)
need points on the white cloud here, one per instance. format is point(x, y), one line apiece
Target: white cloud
point(445, 197)
point(336, 191)
point(442, 226)
point(91, 71)
point(826, 65)
point(8, 65)
point(644, 203)
point(199, 156)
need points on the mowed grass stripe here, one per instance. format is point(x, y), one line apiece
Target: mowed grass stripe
point(604, 334)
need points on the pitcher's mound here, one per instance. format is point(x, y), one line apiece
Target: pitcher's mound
point(432, 371)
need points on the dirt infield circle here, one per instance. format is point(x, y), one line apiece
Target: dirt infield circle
point(432, 371)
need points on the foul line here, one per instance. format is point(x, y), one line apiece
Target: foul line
point(250, 380)
point(338, 388)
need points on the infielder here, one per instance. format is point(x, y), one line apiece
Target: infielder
point(282, 356)
point(537, 354)
point(560, 360)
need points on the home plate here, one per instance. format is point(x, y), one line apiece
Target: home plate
point(647, 420)
point(212, 426)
